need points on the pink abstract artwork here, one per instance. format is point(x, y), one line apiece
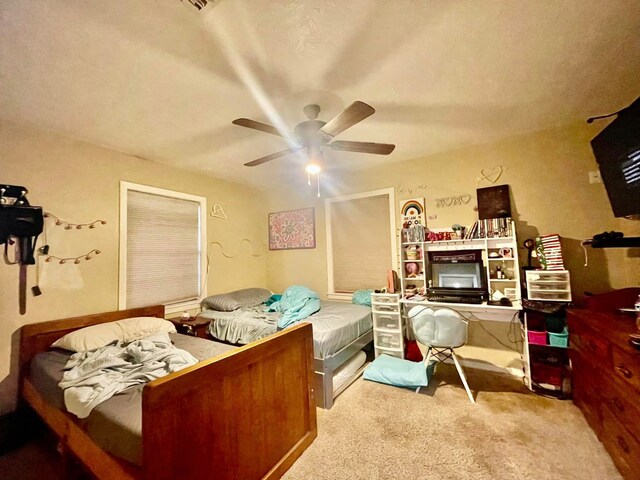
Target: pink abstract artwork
point(292, 229)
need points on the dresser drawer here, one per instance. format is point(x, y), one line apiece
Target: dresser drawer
point(584, 393)
point(623, 448)
point(626, 367)
point(624, 406)
point(590, 344)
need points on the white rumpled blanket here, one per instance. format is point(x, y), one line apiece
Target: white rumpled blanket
point(93, 377)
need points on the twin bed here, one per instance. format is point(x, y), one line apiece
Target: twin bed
point(340, 331)
point(240, 412)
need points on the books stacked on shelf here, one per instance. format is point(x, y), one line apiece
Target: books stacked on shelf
point(549, 252)
point(490, 228)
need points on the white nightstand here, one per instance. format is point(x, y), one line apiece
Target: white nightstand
point(388, 326)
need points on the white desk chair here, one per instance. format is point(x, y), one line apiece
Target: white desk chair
point(441, 331)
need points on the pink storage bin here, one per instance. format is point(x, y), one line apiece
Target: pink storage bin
point(538, 338)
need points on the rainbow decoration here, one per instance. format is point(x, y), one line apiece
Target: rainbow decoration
point(412, 212)
point(412, 208)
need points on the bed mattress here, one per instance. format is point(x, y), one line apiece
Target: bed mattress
point(115, 425)
point(336, 325)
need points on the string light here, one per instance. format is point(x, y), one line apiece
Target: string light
point(75, 260)
point(69, 226)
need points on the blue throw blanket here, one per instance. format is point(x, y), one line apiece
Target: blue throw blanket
point(296, 304)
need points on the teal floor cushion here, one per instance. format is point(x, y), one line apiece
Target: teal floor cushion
point(399, 372)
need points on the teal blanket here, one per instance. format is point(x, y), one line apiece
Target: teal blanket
point(362, 297)
point(296, 304)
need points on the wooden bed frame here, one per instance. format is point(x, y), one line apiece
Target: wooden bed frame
point(248, 413)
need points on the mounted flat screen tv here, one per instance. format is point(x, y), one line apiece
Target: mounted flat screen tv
point(617, 150)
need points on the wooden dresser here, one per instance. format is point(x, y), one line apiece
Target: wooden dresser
point(606, 382)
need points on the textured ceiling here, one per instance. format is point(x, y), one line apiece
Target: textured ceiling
point(157, 79)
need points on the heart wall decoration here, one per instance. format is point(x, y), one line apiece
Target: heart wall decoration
point(218, 212)
point(491, 175)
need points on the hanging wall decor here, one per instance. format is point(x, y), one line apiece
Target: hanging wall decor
point(412, 211)
point(491, 175)
point(292, 229)
point(76, 260)
point(218, 212)
point(69, 225)
point(453, 201)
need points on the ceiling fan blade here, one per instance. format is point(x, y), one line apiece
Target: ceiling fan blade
point(363, 147)
point(353, 114)
point(263, 127)
point(273, 156)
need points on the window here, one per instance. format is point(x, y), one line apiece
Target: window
point(361, 241)
point(162, 234)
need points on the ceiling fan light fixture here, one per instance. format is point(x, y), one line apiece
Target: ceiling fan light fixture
point(313, 169)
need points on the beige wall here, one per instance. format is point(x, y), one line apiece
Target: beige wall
point(550, 193)
point(79, 182)
point(548, 177)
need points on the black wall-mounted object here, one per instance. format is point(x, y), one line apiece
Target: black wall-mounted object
point(617, 150)
point(493, 202)
point(20, 225)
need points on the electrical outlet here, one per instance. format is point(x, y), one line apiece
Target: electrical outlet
point(594, 176)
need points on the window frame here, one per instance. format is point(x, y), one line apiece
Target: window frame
point(171, 307)
point(390, 193)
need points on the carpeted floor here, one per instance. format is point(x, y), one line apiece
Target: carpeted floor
point(376, 431)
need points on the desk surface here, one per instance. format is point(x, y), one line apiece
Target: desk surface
point(480, 311)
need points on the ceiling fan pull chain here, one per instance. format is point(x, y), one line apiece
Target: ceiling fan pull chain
point(318, 180)
point(308, 178)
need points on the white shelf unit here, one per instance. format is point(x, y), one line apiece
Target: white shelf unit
point(388, 325)
point(545, 286)
point(492, 257)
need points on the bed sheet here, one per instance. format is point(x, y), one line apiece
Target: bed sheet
point(115, 425)
point(336, 325)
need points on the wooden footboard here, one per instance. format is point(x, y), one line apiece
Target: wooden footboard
point(247, 414)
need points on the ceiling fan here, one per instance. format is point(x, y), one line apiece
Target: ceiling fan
point(313, 134)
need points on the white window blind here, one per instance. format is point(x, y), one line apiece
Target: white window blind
point(163, 249)
point(361, 244)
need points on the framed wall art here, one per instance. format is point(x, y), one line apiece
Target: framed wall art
point(292, 229)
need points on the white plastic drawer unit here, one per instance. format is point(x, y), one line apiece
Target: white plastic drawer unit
point(385, 297)
point(386, 321)
point(385, 307)
point(388, 339)
point(549, 285)
point(389, 351)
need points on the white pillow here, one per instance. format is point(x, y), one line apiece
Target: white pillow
point(127, 330)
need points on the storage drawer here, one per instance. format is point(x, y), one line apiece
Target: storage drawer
point(548, 285)
point(390, 351)
point(627, 367)
point(550, 295)
point(385, 307)
point(388, 340)
point(385, 298)
point(623, 448)
point(389, 321)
